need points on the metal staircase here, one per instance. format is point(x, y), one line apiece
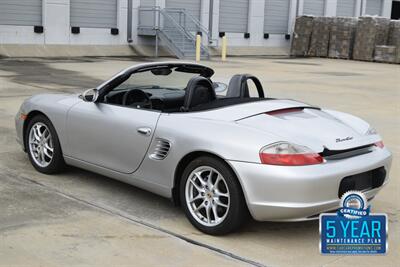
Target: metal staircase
point(175, 28)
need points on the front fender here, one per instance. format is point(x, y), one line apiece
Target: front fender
point(54, 106)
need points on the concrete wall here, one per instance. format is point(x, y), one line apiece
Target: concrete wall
point(255, 27)
point(56, 23)
point(256, 22)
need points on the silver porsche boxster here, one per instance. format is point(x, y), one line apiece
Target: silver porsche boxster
point(219, 151)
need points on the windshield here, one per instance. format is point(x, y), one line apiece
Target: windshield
point(157, 79)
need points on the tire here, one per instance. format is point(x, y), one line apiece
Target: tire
point(48, 162)
point(225, 198)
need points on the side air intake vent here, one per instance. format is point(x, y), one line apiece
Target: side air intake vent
point(160, 149)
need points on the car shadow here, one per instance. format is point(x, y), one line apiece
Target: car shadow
point(118, 197)
point(155, 209)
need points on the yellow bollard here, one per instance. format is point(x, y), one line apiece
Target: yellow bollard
point(198, 43)
point(223, 50)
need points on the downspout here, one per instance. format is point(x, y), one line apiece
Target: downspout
point(129, 21)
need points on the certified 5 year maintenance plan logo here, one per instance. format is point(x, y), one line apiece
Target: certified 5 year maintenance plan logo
point(353, 229)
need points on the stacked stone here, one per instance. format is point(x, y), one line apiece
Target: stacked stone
point(370, 32)
point(342, 37)
point(320, 36)
point(367, 38)
point(382, 31)
point(301, 36)
point(394, 33)
point(394, 37)
point(386, 53)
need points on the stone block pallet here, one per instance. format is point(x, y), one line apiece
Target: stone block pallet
point(342, 37)
point(386, 53)
point(302, 35)
point(371, 31)
point(368, 38)
point(319, 44)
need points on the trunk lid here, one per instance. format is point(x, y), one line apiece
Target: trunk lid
point(311, 127)
point(240, 111)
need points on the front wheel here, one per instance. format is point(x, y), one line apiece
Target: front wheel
point(43, 146)
point(212, 197)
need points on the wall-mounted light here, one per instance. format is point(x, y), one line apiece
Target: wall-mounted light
point(114, 31)
point(38, 29)
point(75, 30)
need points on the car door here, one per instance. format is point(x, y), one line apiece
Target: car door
point(111, 136)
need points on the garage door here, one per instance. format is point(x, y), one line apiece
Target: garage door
point(233, 15)
point(276, 16)
point(94, 13)
point(192, 7)
point(374, 7)
point(21, 12)
point(314, 7)
point(346, 8)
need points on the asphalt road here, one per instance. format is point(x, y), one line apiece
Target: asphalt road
point(81, 218)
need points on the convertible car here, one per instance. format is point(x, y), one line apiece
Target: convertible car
point(222, 152)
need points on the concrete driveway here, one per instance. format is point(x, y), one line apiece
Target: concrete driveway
point(81, 218)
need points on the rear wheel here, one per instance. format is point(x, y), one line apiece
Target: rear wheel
point(212, 197)
point(43, 146)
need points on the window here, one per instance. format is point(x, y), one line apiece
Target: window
point(154, 79)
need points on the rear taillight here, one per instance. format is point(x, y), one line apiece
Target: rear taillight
point(379, 144)
point(287, 154)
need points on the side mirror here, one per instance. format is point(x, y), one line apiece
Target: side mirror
point(89, 95)
point(220, 87)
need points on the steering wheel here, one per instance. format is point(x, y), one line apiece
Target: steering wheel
point(136, 98)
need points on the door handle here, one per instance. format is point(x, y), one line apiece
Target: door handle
point(144, 130)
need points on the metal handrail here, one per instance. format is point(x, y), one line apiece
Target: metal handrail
point(158, 25)
point(177, 25)
point(193, 19)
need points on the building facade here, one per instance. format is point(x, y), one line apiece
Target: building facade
point(245, 23)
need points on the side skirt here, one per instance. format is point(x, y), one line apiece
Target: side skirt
point(126, 178)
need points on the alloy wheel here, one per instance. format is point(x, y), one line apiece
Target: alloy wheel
point(207, 196)
point(41, 144)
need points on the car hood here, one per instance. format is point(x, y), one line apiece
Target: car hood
point(52, 97)
point(314, 128)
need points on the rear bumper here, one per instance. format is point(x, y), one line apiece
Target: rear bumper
point(279, 193)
